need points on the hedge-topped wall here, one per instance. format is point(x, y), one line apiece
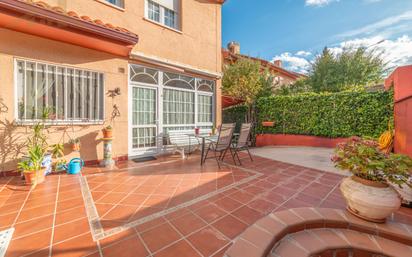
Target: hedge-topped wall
point(330, 114)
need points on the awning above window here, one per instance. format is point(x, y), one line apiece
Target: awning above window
point(40, 19)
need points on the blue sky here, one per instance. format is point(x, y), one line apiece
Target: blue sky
point(296, 30)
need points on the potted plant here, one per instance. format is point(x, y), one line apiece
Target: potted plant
point(107, 132)
point(57, 151)
point(32, 166)
point(268, 123)
point(369, 193)
point(75, 143)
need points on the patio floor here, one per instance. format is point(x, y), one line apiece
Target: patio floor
point(167, 207)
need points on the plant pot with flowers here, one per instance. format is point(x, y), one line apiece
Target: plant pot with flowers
point(107, 132)
point(32, 166)
point(75, 144)
point(369, 193)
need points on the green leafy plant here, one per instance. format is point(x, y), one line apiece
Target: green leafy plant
point(57, 150)
point(333, 115)
point(363, 159)
point(35, 158)
point(109, 127)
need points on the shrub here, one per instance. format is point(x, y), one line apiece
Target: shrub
point(343, 114)
point(363, 159)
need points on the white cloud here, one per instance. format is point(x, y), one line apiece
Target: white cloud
point(293, 62)
point(396, 52)
point(385, 27)
point(318, 3)
point(303, 53)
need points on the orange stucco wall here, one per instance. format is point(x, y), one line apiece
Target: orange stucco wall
point(197, 45)
point(19, 45)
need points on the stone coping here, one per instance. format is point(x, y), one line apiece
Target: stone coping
point(269, 233)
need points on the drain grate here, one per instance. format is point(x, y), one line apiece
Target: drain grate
point(5, 238)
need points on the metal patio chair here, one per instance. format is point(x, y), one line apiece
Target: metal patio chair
point(242, 143)
point(222, 145)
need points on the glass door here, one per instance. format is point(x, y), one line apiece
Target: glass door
point(144, 120)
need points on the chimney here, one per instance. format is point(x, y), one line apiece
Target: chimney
point(234, 47)
point(278, 63)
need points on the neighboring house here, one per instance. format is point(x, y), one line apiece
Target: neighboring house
point(162, 56)
point(281, 75)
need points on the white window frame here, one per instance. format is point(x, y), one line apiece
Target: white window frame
point(177, 25)
point(116, 3)
point(161, 127)
point(65, 121)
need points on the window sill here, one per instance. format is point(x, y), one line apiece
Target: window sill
point(162, 25)
point(58, 123)
point(111, 5)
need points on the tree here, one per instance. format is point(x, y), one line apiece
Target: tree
point(245, 80)
point(351, 69)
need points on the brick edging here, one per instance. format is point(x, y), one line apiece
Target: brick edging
point(261, 237)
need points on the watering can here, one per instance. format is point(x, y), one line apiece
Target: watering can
point(75, 166)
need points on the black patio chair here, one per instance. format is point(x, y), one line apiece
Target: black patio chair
point(222, 145)
point(242, 143)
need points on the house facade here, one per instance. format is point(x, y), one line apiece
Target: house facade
point(283, 77)
point(144, 67)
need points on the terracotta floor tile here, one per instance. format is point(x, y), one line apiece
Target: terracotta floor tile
point(242, 197)
point(75, 247)
point(33, 226)
point(69, 230)
point(181, 249)
point(208, 241)
point(228, 204)
point(106, 242)
point(112, 198)
point(210, 212)
point(150, 224)
point(132, 246)
point(27, 214)
point(188, 224)
point(120, 213)
point(230, 226)
point(71, 203)
point(70, 215)
point(134, 199)
point(7, 220)
point(10, 208)
point(159, 237)
point(262, 206)
point(30, 243)
point(247, 215)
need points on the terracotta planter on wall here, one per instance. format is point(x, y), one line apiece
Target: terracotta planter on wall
point(268, 123)
point(369, 200)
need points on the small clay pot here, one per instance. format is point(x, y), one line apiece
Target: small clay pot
point(107, 133)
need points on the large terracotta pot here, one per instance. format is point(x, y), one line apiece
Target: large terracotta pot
point(107, 133)
point(34, 178)
point(369, 200)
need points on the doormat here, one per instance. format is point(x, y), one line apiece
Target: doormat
point(5, 238)
point(144, 159)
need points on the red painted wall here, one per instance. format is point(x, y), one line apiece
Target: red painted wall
point(297, 140)
point(401, 80)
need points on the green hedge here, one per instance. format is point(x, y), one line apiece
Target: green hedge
point(331, 115)
point(235, 114)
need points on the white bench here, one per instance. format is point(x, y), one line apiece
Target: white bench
point(183, 141)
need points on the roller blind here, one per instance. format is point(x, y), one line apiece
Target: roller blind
point(170, 4)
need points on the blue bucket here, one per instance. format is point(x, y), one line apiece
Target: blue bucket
point(75, 166)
